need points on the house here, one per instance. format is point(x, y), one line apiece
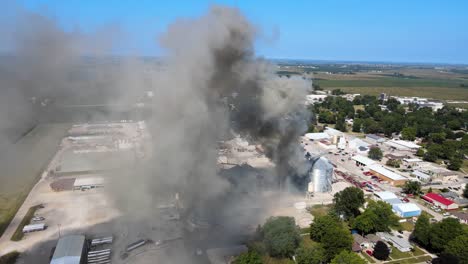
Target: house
point(356, 247)
point(374, 139)
point(372, 238)
point(362, 242)
point(462, 216)
point(401, 244)
point(440, 201)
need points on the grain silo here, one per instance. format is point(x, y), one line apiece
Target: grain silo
point(321, 175)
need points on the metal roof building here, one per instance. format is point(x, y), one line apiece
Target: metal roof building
point(387, 175)
point(317, 136)
point(406, 209)
point(361, 160)
point(387, 197)
point(69, 250)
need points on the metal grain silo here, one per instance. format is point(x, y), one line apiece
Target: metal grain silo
point(321, 175)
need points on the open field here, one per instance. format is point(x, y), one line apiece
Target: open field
point(432, 81)
point(27, 159)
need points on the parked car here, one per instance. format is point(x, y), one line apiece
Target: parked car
point(37, 218)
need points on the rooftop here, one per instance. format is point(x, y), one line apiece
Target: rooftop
point(385, 195)
point(406, 207)
point(386, 172)
point(69, 250)
point(403, 143)
point(374, 136)
point(364, 160)
point(438, 198)
point(317, 136)
point(461, 215)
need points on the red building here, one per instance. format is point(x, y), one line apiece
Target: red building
point(440, 201)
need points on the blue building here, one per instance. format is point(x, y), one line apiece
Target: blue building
point(406, 209)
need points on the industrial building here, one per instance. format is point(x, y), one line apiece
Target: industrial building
point(406, 209)
point(440, 201)
point(387, 175)
point(69, 250)
point(359, 146)
point(363, 161)
point(321, 176)
point(387, 197)
point(421, 176)
point(317, 136)
point(88, 183)
point(402, 145)
point(375, 139)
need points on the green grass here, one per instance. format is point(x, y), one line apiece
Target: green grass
point(418, 252)
point(23, 166)
point(18, 235)
point(447, 89)
point(397, 254)
point(367, 257)
point(407, 226)
point(320, 210)
point(270, 260)
point(391, 82)
point(9, 258)
point(307, 242)
point(410, 260)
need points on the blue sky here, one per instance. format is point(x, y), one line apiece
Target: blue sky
point(377, 30)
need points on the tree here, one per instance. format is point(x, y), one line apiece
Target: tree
point(437, 137)
point(337, 240)
point(341, 125)
point(445, 258)
point(280, 236)
point(455, 164)
point(420, 152)
point(458, 247)
point(444, 231)
point(381, 251)
point(422, 230)
point(348, 201)
point(412, 187)
point(465, 191)
point(365, 222)
point(393, 163)
point(314, 255)
point(357, 124)
point(408, 133)
point(347, 257)
point(249, 257)
point(322, 226)
point(375, 153)
point(378, 217)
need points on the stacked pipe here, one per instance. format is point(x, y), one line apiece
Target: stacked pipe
point(99, 256)
point(101, 241)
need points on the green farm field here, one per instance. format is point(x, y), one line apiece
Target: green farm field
point(443, 89)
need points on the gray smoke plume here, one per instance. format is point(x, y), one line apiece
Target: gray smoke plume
point(212, 85)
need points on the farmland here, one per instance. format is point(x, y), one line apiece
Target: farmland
point(437, 82)
point(27, 159)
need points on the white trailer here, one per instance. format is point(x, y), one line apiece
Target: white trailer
point(34, 228)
